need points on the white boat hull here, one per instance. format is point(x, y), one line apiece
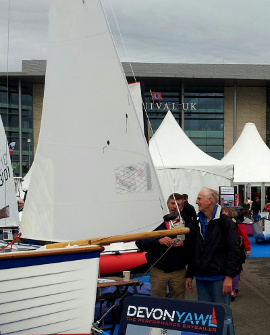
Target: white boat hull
point(56, 294)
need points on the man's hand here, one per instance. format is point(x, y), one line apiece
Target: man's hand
point(189, 285)
point(166, 241)
point(177, 242)
point(227, 285)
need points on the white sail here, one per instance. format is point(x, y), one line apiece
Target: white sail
point(135, 91)
point(26, 181)
point(92, 174)
point(9, 215)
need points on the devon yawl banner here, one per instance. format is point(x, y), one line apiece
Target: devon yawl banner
point(143, 313)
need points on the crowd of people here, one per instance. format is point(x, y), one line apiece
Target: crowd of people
point(212, 253)
point(252, 209)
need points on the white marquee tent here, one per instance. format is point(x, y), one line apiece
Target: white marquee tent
point(251, 158)
point(181, 166)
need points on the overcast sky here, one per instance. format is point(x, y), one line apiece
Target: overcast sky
point(173, 31)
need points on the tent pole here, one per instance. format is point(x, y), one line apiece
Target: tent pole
point(237, 192)
point(234, 112)
point(249, 190)
point(262, 195)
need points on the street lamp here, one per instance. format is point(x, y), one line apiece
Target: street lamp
point(29, 145)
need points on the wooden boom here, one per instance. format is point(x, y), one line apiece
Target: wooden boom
point(121, 238)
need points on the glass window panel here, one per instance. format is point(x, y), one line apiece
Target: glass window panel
point(215, 141)
point(10, 117)
point(214, 148)
point(218, 155)
point(199, 141)
point(205, 125)
point(202, 147)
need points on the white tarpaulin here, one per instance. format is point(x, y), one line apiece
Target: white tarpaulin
point(181, 166)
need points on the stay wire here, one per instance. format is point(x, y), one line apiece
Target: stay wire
point(131, 68)
point(96, 324)
point(143, 104)
point(7, 88)
point(122, 40)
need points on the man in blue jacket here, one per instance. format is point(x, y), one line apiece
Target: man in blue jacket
point(217, 252)
point(169, 255)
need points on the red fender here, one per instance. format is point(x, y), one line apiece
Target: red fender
point(112, 263)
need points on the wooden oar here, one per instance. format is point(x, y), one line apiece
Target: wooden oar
point(121, 238)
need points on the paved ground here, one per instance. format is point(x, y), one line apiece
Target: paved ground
point(251, 308)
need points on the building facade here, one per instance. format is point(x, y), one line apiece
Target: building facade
point(211, 103)
point(215, 101)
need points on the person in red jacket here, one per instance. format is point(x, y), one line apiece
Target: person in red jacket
point(247, 246)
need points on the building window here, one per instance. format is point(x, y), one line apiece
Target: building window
point(205, 125)
point(9, 110)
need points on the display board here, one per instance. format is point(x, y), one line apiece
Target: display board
point(226, 196)
point(148, 315)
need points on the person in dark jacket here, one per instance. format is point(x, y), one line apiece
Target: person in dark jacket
point(255, 209)
point(189, 210)
point(217, 252)
point(246, 206)
point(169, 255)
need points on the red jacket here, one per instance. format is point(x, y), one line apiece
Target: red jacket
point(242, 232)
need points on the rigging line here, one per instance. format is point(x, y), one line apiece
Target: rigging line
point(7, 75)
point(162, 161)
point(178, 209)
point(143, 104)
point(8, 39)
point(129, 63)
point(122, 40)
point(144, 274)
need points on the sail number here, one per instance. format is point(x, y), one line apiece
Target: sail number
point(3, 162)
point(4, 169)
point(4, 176)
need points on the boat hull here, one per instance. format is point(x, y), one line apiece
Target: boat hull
point(51, 292)
point(112, 263)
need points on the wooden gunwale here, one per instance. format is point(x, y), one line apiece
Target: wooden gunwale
point(50, 252)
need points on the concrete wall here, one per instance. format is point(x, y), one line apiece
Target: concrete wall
point(251, 107)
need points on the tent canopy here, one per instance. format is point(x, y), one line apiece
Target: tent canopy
point(181, 166)
point(250, 156)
